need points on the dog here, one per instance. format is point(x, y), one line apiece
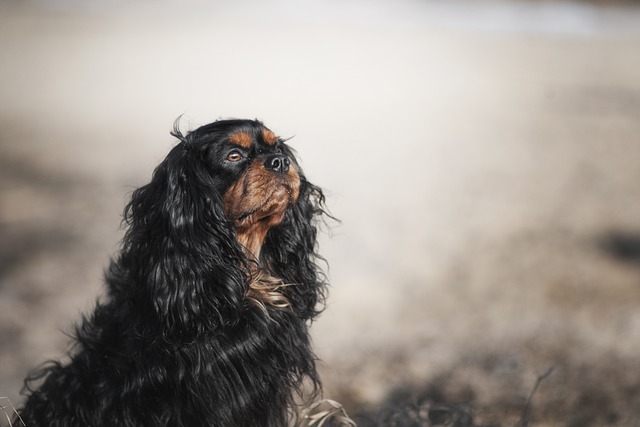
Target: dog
point(209, 299)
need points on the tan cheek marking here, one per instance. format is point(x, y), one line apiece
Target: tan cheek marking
point(269, 137)
point(236, 199)
point(243, 139)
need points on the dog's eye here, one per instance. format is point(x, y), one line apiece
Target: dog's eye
point(234, 156)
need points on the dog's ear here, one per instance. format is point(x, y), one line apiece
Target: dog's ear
point(290, 249)
point(180, 260)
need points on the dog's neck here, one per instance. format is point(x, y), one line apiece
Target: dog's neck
point(252, 235)
point(264, 289)
point(251, 240)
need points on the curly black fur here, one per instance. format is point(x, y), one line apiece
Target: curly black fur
point(176, 341)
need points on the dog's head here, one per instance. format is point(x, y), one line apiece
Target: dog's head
point(229, 201)
point(255, 173)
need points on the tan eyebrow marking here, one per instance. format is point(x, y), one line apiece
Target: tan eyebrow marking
point(242, 139)
point(269, 137)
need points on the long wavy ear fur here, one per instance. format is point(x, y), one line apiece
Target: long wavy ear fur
point(179, 257)
point(290, 250)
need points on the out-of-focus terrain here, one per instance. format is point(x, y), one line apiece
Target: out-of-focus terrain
point(483, 157)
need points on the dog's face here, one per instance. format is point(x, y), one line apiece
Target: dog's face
point(257, 177)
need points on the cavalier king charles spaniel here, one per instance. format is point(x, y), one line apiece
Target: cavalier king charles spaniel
point(205, 320)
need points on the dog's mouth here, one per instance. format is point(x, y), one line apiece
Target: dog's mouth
point(242, 217)
point(252, 217)
point(270, 209)
point(256, 203)
point(261, 197)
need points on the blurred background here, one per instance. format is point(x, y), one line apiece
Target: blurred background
point(483, 158)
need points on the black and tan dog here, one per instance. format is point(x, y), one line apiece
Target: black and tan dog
point(205, 320)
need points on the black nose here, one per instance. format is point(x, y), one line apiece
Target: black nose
point(278, 163)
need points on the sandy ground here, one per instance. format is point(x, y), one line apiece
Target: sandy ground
point(483, 158)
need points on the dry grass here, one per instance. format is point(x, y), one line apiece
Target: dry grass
point(428, 413)
point(9, 412)
point(326, 413)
